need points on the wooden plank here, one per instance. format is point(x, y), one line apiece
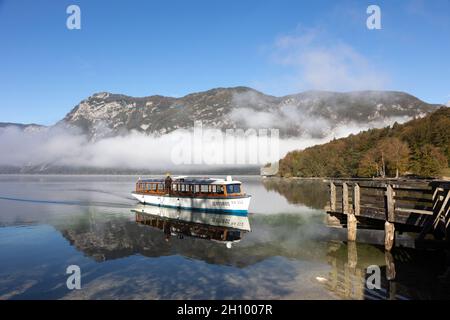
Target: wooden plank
point(413, 199)
point(422, 194)
point(373, 213)
point(418, 211)
point(372, 184)
point(411, 185)
point(372, 200)
point(374, 192)
point(414, 205)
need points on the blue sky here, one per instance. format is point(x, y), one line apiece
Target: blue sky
point(173, 48)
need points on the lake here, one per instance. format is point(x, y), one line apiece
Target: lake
point(48, 223)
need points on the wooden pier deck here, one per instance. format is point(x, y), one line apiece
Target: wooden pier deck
point(405, 205)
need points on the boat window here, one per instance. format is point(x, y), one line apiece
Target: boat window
point(197, 188)
point(204, 188)
point(233, 188)
point(220, 189)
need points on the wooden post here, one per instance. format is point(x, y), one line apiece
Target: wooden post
point(344, 197)
point(390, 275)
point(356, 199)
point(390, 203)
point(389, 235)
point(332, 197)
point(352, 255)
point(351, 227)
point(390, 266)
point(392, 290)
point(389, 228)
point(351, 219)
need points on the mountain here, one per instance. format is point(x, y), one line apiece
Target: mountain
point(107, 114)
point(420, 147)
point(25, 127)
point(305, 116)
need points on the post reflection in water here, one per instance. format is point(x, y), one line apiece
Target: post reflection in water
point(218, 227)
point(405, 273)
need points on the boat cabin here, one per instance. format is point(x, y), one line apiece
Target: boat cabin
point(190, 186)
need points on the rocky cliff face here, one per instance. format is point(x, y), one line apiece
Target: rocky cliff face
point(107, 114)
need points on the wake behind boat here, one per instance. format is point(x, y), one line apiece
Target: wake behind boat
point(207, 194)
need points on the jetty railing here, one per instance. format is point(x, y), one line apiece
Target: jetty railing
point(420, 206)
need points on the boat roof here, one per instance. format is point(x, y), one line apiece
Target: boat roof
point(193, 180)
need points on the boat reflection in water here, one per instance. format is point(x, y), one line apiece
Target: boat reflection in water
point(223, 228)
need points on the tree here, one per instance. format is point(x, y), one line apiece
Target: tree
point(389, 156)
point(395, 154)
point(369, 165)
point(429, 161)
point(417, 146)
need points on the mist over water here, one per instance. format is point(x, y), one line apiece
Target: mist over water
point(178, 150)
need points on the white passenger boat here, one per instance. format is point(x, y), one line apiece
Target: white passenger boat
point(206, 194)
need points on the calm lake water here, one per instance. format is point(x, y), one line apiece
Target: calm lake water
point(125, 251)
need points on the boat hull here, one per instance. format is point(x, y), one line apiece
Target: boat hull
point(236, 205)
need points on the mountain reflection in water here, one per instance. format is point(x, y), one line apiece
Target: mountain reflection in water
point(312, 193)
point(281, 250)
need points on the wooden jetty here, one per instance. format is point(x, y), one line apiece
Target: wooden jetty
point(403, 205)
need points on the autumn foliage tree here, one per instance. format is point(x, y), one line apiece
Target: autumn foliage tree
point(420, 147)
point(389, 157)
point(430, 161)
